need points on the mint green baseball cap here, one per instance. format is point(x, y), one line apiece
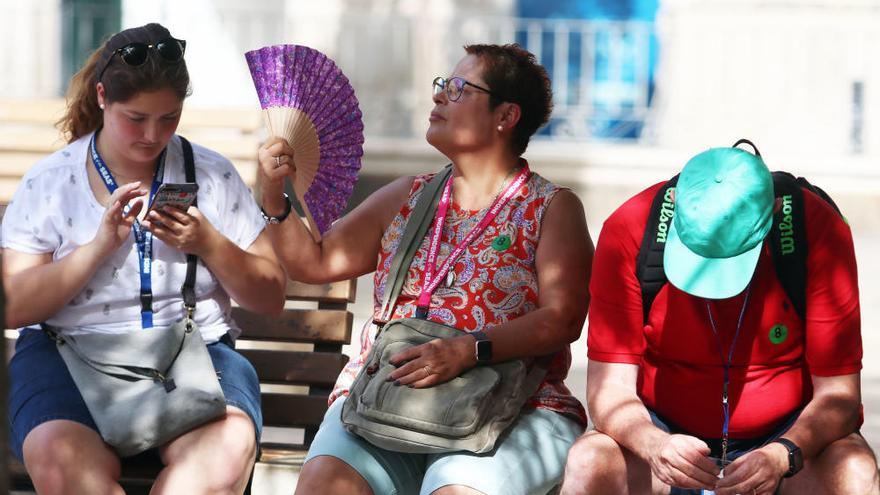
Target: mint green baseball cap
point(723, 211)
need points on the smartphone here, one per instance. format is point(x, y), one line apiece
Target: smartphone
point(180, 196)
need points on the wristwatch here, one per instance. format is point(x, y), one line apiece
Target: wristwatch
point(280, 218)
point(482, 347)
point(795, 457)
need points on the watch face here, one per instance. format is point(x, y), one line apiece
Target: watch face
point(796, 460)
point(484, 351)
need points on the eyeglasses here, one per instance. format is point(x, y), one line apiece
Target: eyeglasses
point(454, 86)
point(135, 54)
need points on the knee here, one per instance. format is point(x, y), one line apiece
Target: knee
point(327, 474)
point(859, 470)
point(223, 454)
point(48, 465)
point(235, 451)
point(56, 459)
point(591, 451)
point(594, 461)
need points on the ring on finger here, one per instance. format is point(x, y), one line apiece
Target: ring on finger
point(277, 161)
point(427, 371)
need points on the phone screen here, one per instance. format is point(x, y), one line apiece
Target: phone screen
point(179, 196)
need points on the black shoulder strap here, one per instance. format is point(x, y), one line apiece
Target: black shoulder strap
point(788, 239)
point(818, 191)
point(189, 284)
point(415, 230)
point(649, 263)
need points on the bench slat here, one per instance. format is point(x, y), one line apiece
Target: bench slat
point(297, 325)
point(337, 292)
point(293, 411)
point(298, 368)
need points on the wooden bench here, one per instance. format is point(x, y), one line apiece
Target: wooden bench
point(297, 357)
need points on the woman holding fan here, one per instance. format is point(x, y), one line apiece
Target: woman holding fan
point(82, 254)
point(509, 269)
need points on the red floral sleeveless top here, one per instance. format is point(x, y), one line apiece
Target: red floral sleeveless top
point(494, 281)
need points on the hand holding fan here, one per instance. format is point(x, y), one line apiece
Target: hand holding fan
point(308, 101)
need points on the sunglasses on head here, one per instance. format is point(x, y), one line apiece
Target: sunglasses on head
point(135, 54)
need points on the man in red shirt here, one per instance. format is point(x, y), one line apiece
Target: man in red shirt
point(724, 371)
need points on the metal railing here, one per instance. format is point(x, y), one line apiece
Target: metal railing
point(600, 71)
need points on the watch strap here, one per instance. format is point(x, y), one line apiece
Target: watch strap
point(793, 452)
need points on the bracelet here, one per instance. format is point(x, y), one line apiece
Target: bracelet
point(280, 218)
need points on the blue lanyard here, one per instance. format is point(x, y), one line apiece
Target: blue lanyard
point(725, 405)
point(143, 238)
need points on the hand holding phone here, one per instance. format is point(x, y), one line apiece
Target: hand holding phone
point(180, 196)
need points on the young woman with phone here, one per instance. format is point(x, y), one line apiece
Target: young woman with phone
point(73, 240)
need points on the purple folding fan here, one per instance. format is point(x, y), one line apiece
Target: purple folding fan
point(309, 102)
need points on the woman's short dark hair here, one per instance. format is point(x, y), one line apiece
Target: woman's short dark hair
point(514, 75)
point(121, 81)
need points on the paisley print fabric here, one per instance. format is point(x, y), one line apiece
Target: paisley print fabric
point(494, 281)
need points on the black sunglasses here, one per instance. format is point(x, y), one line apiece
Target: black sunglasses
point(135, 54)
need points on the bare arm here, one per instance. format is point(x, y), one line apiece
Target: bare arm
point(252, 277)
point(562, 262)
point(37, 287)
point(352, 244)
point(617, 411)
point(832, 414)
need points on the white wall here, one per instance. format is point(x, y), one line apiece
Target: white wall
point(30, 48)
point(779, 72)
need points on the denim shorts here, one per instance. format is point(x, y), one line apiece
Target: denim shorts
point(528, 459)
point(41, 388)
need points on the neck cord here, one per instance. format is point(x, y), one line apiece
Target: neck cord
point(725, 405)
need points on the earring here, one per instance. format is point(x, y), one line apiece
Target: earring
point(500, 128)
point(101, 106)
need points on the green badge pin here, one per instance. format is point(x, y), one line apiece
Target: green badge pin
point(501, 243)
point(778, 333)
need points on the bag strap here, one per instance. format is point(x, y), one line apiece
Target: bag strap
point(746, 141)
point(649, 263)
point(188, 288)
point(788, 240)
point(415, 230)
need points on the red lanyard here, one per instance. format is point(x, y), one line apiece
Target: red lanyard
point(432, 280)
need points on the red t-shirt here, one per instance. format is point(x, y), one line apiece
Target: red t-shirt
point(681, 372)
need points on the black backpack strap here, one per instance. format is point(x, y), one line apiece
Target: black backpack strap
point(649, 263)
point(788, 239)
point(818, 191)
point(189, 284)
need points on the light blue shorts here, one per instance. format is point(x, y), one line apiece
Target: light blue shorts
point(529, 459)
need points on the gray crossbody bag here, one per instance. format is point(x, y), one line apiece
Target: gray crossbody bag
point(466, 413)
point(146, 387)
